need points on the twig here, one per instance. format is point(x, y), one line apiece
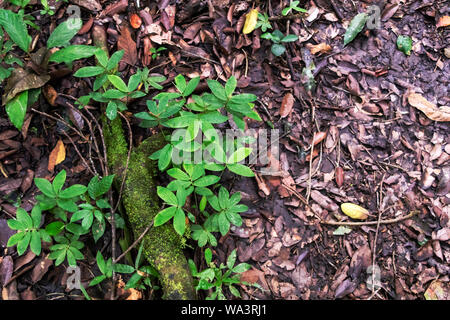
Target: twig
point(288, 17)
point(134, 243)
point(368, 223)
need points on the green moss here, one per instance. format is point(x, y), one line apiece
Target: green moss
point(162, 246)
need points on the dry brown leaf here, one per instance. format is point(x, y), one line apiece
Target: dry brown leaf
point(127, 43)
point(444, 21)
point(319, 48)
point(318, 137)
point(286, 105)
point(430, 109)
point(57, 155)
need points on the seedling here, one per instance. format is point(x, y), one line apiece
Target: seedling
point(216, 279)
point(263, 22)
point(293, 6)
point(156, 52)
point(278, 39)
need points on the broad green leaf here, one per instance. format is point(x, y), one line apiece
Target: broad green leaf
point(290, 38)
point(241, 170)
point(15, 238)
point(206, 181)
point(16, 28)
point(114, 60)
point(239, 155)
point(217, 89)
point(191, 86)
point(45, 186)
point(88, 72)
point(180, 83)
point(165, 157)
point(167, 195)
point(208, 256)
point(179, 222)
point(17, 109)
point(54, 228)
point(230, 86)
point(58, 181)
point(73, 191)
point(111, 110)
point(355, 27)
point(178, 174)
point(118, 83)
point(23, 217)
point(164, 216)
point(64, 32)
point(123, 268)
point(35, 242)
point(22, 245)
point(242, 267)
point(73, 53)
point(231, 260)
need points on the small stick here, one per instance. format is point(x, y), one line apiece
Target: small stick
point(288, 17)
point(369, 223)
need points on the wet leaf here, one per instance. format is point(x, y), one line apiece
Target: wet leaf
point(22, 80)
point(57, 155)
point(430, 109)
point(404, 44)
point(250, 21)
point(355, 27)
point(354, 211)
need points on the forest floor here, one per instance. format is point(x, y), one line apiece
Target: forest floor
point(378, 150)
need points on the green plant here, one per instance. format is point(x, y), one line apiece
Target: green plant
point(82, 203)
point(215, 278)
point(156, 52)
point(22, 86)
point(6, 58)
point(404, 44)
point(263, 22)
point(149, 80)
point(115, 92)
point(278, 39)
point(293, 6)
point(47, 9)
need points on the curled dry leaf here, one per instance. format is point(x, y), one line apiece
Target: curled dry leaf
point(354, 211)
point(50, 95)
point(127, 43)
point(319, 48)
point(430, 109)
point(286, 105)
point(57, 155)
point(250, 21)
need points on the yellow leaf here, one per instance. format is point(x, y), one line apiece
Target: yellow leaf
point(57, 155)
point(250, 21)
point(354, 211)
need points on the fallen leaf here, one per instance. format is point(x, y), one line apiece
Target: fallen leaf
point(287, 105)
point(22, 80)
point(339, 174)
point(437, 290)
point(354, 211)
point(318, 137)
point(91, 5)
point(50, 94)
point(250, 21)
point(57, 155)
point(126, 43)
point(430, 109)
point(135, 21)
point(444, 21)
point(319, 48)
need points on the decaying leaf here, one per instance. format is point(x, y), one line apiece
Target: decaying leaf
point(286, 105)
point(126, 43)
point(342, 230)
point(318, 137)
point(354, 211)
point(438, 290)
point(430, 109)
point(57, 155)
point(22, 80)
point(250, 21)
point(319, 48)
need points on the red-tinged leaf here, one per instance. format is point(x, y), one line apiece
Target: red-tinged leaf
point(318, 137)
point(339, 175)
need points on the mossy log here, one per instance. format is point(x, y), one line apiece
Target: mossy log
point(162, 245)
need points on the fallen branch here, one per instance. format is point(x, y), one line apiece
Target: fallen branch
point(368, 223)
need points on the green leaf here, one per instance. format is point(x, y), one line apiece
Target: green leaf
point(165, 157)
point(64, 32)
point(72, 53)
point(242, 267)
point(35, 243)
point(54, 228)
point(180, 83)
point(36, 216)
point(231, 259)
point(88, 72)
point(16, 28)
point(206, 181)
point(22, 245)
point(179, 221)
point(167, 195)
point(217, 89)
point(355, 27)
point(73, 191)
point(123, 268)
point(278, 49)
point(178, 174)
point(164, 216)
point(114, 60)
point(97, 280)
point(191, 86)
point(58, 181)
point(230, 86)
point(17, 109)
point(118, 83)
point(15, 238)
point(290, 38)
point(239, 155)
point(404, 44)
point(45, 186)
point(97, 188)
point(241, 170)
point(111, 110)
point(208, 256)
